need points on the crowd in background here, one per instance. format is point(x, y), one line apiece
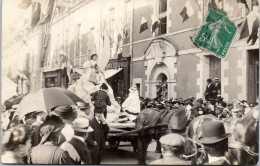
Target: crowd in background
point(68, 136)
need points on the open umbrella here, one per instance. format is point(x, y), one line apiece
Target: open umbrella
point(46, 99)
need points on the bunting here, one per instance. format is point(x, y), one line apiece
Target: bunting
point(155, 22)
point(46, 10)
point(254, 32)
point(144, 25)
point(243, 28)
point(36, 11)
point(244, 2)
point(187, 11)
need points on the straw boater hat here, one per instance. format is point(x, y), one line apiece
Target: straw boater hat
point(82, 125)
point(216, 79)
point(212, 132)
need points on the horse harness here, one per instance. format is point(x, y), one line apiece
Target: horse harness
point(241, 146)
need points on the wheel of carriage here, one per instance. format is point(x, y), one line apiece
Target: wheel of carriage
point(113, 144)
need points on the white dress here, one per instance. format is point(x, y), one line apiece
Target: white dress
point(132, 104)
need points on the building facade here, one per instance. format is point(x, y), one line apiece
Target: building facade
point(168, 55)
point(152, 58)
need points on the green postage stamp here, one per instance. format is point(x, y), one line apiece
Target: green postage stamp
point(217, 34)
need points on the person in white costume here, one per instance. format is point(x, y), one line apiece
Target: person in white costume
point(131, 106)
point(90, 82)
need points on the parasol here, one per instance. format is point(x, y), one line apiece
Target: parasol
point(45, 100)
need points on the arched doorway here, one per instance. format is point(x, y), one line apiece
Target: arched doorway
point(161, 67)
point(162, 87)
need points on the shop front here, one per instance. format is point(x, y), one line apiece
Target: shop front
point(117, 74)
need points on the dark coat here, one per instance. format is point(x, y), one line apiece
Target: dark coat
point(49, 154)
point(78, 151)
point(209, 92)
point(101, 99)
point(97, 135)
point(218, 88)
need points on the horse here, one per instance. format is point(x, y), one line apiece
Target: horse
point(243, 143)
point(152, 124)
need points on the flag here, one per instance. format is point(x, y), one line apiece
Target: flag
point(243, 28)
point(212, 3)
point(187, 11)
point(144, 25)
point(244, 2)
point(254, 32)
point(36, 11)
point(155, 22)
point(46, 10)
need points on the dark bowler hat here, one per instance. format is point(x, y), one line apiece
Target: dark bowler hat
point(212, 132)
point(209, 80)
point(65, 112)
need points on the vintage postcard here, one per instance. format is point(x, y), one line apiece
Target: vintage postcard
point(130, 82)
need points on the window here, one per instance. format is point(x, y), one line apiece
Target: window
point(214, 67)
point(163, 17)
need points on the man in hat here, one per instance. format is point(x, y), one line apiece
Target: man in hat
point(77, 147)
point(209, 90)
point(172, 150)
point(218, 110)
point(68, 115)
point(217, 90)
point(101, 99)
point(215, 142)
point(48, 152)
point(96, 139)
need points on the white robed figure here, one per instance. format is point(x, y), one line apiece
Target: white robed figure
point(131, 106)
point(90, 82)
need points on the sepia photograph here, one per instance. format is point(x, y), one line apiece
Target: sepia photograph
point(130, 82)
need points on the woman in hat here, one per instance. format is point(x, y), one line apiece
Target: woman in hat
point(50, 133)
point(215, 142)
point(16, 143)
point(132, 104)
point(172, 150)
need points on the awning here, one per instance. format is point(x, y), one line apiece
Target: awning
point(111, 72)
point(78, 70)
